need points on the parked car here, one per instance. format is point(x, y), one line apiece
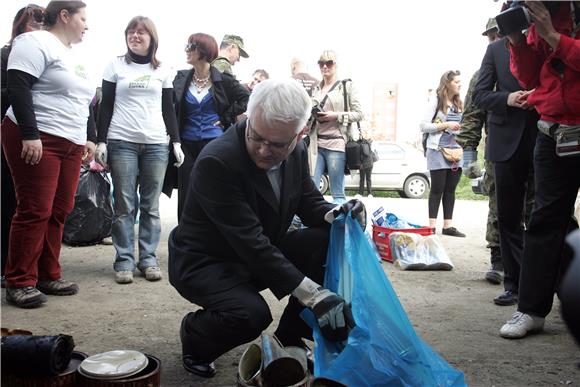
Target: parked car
point(400, 168)
point(478, 185)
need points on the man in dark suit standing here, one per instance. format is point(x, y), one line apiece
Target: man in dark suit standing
point(232, 240)
point(510, 146)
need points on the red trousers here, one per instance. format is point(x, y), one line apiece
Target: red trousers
point(45, 196)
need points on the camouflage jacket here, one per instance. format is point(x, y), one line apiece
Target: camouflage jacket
point(223, 65)
point(473, 119)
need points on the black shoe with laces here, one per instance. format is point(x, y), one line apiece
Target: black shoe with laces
point(452, 231)
point(507, 298)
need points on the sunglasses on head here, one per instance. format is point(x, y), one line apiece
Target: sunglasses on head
point(327, 63)
point(190, 47)
point(450, 74)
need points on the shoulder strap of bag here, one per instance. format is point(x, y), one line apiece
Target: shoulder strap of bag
point(322, 103)
point(328, 92)
point(436, 110)
point(347, 105)
point(426, 135)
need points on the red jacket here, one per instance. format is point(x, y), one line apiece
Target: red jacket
point(556, 97)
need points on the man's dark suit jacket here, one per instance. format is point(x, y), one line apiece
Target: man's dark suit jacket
point(232, 222)
point(506, 123)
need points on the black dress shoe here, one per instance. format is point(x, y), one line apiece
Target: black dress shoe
point(507, 298)
point(205, 370)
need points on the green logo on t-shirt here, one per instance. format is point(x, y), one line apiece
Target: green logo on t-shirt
point(81, 72)
point(140, 83)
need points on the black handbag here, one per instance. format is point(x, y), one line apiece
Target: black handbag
point(353, 148)
point(353, 151)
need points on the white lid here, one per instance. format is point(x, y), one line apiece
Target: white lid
point(114, 364)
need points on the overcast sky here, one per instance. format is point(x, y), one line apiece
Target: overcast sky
point(408, 42)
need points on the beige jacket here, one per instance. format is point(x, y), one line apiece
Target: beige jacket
point(347, 117)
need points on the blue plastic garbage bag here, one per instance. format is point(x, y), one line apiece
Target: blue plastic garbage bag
point(383, 349)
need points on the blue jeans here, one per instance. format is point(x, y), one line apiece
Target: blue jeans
point(132, 164)
point(334, 162)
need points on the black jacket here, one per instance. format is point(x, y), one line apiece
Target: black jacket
point(230, 97)
point(232, 222)
point(4, 53)
point(506, 124)
point(231, 100)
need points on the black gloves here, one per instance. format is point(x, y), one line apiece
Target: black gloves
point(334, 316)
point(358, 211)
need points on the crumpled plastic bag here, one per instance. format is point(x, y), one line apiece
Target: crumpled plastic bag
point(383, 349)
point(417, 252)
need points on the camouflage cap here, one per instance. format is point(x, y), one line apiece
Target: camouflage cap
point(238, 41)
point(490, 26)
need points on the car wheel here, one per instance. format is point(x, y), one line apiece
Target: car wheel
point(324, 185)
point(416, 187)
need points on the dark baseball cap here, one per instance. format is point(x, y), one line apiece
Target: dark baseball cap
point(238, 41)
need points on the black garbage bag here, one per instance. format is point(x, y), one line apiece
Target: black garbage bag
point(91, 218)
point(38, 355)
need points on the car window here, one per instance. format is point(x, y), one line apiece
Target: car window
point(390, 152)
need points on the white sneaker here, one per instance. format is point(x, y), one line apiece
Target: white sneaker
point(107, 241)
point(152, 273)
point(370, 196)
point(358, 196)
point(124, 277)
point(520, 325)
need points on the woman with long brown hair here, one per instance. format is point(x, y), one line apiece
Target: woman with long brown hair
point(136, 116)
point(441, 122)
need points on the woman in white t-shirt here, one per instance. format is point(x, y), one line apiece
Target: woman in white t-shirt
point(136, 118)
point(45, 136)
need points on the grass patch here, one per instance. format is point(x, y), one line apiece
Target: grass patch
point(462, 192)
point(376, 194)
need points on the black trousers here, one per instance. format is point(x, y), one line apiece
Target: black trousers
point(191, 149)
point(239, 315)
point(513, 181)
point(365, 175)
point(443, 185)
point(557, 183)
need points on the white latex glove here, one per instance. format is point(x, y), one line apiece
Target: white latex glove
point(359, 212)
point(178, 153)
point(101, 154)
